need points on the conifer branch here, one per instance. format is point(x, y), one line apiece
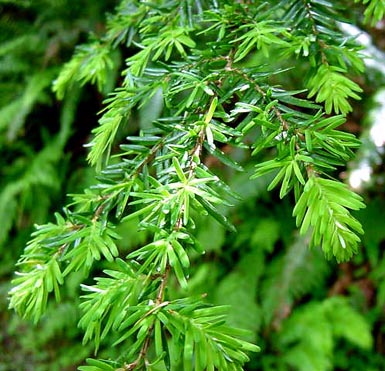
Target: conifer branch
point(316, 33)
point(197, 61)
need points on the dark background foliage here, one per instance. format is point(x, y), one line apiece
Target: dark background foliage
point(306, 313)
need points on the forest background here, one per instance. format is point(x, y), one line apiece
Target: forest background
point(306, 312)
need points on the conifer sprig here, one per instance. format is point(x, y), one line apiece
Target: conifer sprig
point(216, 98)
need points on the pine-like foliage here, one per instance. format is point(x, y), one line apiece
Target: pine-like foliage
point(30, 56)
point(206, 66)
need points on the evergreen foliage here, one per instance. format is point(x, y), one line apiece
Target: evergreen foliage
point(208, 112)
